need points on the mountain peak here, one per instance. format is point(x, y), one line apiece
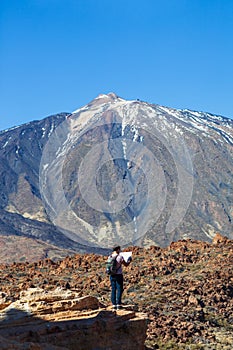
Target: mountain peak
point(100, 99)
point(110, 95)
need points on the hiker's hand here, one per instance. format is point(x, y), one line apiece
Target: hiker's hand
point(129, 259)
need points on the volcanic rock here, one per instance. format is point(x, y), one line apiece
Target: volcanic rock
point(62, 320)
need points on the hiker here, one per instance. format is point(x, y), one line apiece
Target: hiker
point(116, 278)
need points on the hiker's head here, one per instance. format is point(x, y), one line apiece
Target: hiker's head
point(117, 249)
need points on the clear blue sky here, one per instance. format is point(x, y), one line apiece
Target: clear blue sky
point(57, 55)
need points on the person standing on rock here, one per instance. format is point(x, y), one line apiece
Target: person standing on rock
point(116, 278)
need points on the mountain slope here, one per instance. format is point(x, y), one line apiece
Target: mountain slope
point(21, 209)
point(139, 173)
point(118, 171)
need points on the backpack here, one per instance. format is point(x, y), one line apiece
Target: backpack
point(111, 266)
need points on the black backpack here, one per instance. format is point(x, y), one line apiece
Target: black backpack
point(111, 266)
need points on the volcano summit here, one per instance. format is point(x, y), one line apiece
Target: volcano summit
point(118, 171)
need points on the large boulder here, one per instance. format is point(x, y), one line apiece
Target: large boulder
point(61, 320)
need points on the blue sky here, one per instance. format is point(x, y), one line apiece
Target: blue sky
point(57, 55)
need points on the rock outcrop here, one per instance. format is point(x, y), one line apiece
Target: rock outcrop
point(61, 320)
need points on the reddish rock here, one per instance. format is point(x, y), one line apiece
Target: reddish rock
point(218, 238)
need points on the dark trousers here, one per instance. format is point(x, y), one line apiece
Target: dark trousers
point(117, 289)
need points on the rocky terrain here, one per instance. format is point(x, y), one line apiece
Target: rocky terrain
point(165, 175)
point(185, 290)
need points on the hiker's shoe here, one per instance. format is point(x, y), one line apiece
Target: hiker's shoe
point(119, 307)
point(114, 307)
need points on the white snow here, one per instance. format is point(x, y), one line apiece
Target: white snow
point(51, 130)
point(201, 122)
point(228, 138)
point(135, 225)
point(13, 128)
point(5, 144)
point(124, 146)
point(84, 108)
point(101, 96)
point(134, 129)
point(43, 135)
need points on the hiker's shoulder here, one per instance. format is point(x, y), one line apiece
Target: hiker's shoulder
point(120, 258)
